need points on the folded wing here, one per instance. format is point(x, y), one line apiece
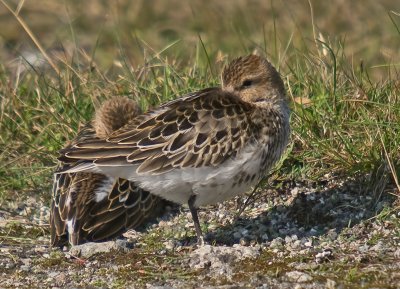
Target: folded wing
point(203, 129)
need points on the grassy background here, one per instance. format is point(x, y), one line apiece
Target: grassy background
point(339, 61)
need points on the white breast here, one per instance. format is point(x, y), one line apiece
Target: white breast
point(210, 185)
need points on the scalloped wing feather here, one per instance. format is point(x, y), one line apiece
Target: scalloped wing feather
point(90, 207)
point(93, 207)
point(202, 129)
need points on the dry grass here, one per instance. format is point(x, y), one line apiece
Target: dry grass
point(336, 58)
point(115, 30)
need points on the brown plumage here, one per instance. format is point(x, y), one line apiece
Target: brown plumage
point(203, 132)
point(200, 149)
point(114, 114)
point(93, 207)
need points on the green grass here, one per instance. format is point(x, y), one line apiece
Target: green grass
point(350, 125)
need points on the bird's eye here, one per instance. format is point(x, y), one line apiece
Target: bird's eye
point(247, 83)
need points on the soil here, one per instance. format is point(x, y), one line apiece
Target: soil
point(335, 233)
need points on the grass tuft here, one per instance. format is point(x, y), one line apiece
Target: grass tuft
point(343, 120)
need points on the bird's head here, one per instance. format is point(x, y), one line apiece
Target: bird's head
point(114, 114)
point(254, 80)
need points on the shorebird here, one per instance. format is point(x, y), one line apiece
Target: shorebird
point(202, 148)
point(94, 207)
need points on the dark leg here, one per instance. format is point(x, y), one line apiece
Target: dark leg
point(193, 211)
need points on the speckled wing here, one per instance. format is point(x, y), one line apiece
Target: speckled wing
point(93, 207)
point(200, 130)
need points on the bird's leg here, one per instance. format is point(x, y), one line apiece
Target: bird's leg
point(195, 217)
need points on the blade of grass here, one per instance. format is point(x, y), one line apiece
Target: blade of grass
point(32, 36)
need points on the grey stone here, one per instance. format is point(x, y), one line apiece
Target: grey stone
point(220, 258)
point(87, 250)
point(297, 276)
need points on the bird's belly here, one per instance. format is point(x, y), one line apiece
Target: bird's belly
point(210, 184)
point(223, 189)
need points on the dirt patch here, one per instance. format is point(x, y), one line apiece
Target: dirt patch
point(332, 234)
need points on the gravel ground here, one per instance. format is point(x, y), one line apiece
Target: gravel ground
point(331, 234)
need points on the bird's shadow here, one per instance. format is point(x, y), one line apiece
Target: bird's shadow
point(310, 211)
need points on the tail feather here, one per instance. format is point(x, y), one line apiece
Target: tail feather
point(88, 205)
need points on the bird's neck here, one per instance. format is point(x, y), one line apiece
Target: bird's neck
point(276, 104)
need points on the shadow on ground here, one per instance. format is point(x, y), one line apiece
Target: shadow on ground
point(305, 210)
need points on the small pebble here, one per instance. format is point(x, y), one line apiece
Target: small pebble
point(323, 256)
point(298, 276)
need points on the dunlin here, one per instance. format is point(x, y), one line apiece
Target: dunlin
point(203, 148)
point(94, 207)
